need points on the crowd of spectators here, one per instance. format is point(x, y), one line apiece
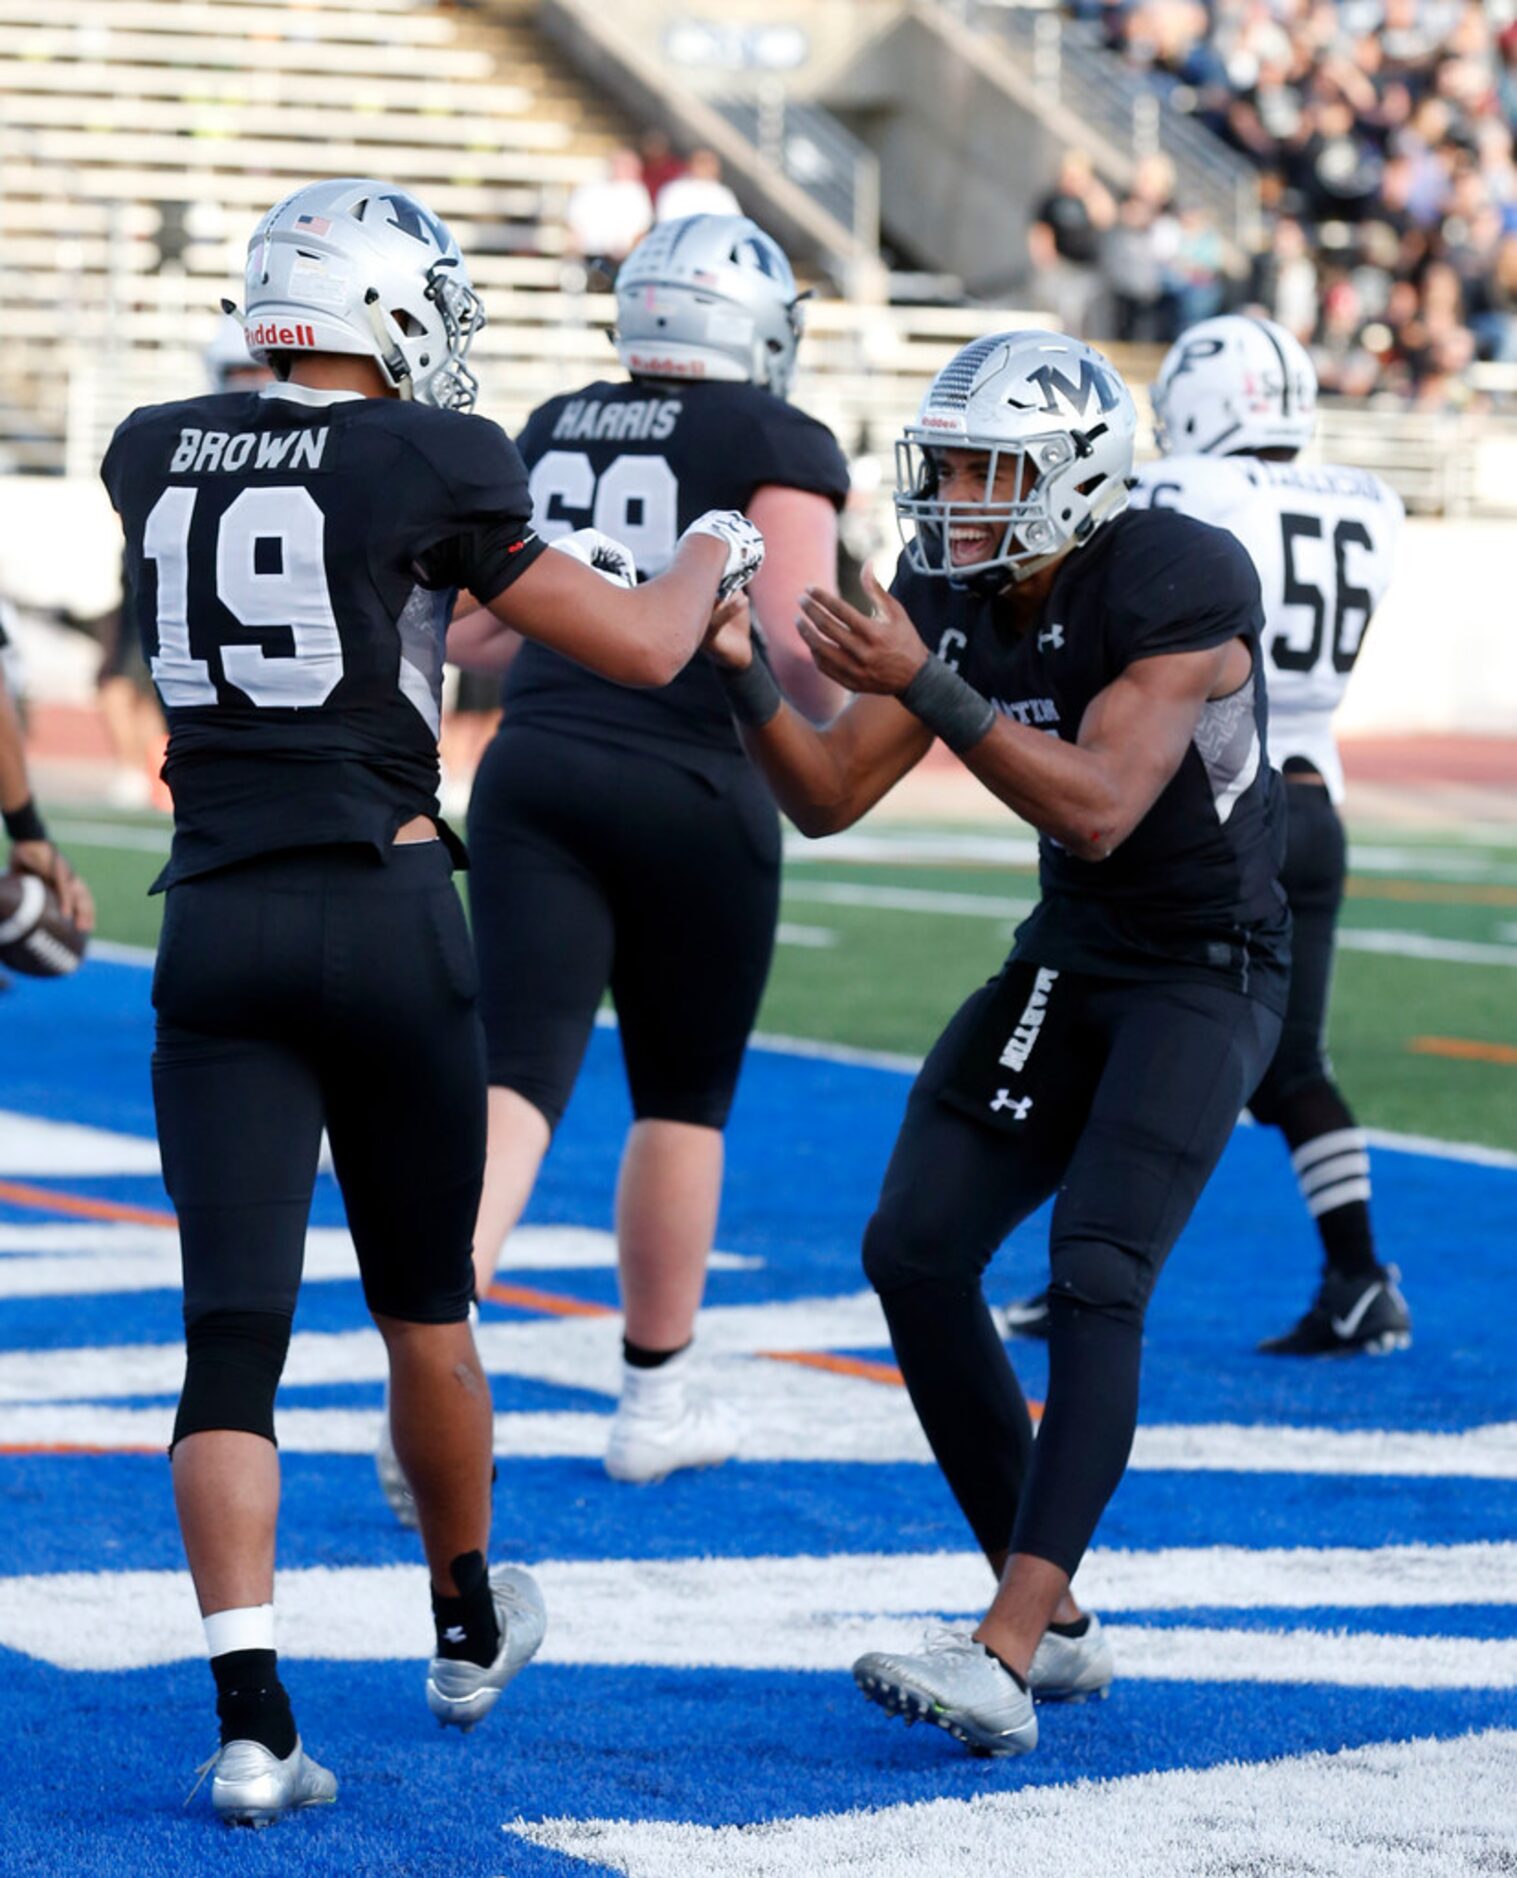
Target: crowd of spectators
point(1382, 132)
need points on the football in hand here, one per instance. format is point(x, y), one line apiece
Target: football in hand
point(36, 936)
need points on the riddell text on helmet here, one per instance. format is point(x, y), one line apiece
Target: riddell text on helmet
point(271, 333)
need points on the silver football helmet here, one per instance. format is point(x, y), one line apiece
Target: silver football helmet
point(360, 266)
point(709, 296)
point(1235, 384)
point(1057, 427)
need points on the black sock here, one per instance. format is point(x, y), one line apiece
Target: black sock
point(251, 1703)
point(468, 1630)
point(1077, 1629)
point(640, 1358)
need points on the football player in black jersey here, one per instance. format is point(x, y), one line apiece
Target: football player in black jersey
point(621, 838)
point(1097, 669)
point(292, 561)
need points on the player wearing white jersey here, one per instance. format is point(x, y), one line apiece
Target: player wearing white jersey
point(1235, 401)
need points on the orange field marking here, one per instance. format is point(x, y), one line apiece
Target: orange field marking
point(838, 1365)
point(552, 1303)
point(1447, 892)
point(67, 1447)
point(81, 1206)
point(1464, 1049)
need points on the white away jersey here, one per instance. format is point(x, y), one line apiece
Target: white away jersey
point(1323, 540)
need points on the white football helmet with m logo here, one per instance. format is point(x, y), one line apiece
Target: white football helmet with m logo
point(360, 266)
point(1049, 406)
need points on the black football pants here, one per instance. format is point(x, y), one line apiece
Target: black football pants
point(1117, 1096)
point(594, 866)
point(310, 989)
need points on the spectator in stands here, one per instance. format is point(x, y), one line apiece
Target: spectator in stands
point(1064, 242)
point(661, 162)
point(1137, 253)
point(1383, 135)
point(700, 191)
point(607, 217)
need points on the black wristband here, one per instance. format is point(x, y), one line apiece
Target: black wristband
point(949, 706)
point(24, 824)
point(752, 694)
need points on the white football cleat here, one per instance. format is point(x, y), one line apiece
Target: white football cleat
point(662, 1424)
point(1072, 1669)
point(957, 1685)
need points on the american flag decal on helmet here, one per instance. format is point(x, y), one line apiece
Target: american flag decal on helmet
point(317, 224)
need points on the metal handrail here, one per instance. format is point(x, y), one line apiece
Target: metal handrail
point(808, 144)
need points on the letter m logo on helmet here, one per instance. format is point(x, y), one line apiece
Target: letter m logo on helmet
point(413, 220)
point(1068, 394)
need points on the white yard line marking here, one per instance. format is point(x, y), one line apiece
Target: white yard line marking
point(1415, 1809)
point(1422, 945)
point(789, 1414)
point(34, 1149)
point(818, 938)
point(819, 1613)
point(39, 1261)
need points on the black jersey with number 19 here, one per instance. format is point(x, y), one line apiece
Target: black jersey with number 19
point(291, 561)
point(1193, 892)
point(640, 460)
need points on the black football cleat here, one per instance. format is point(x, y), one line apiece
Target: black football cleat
point(1350, 1316)
point(1025, 1317)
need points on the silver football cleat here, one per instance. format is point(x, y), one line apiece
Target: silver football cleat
point(461, 1694)
point(1072, 1669)
point(251, 1786)
point(957, 1685)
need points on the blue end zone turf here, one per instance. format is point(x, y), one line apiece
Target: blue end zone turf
point(98, 1761)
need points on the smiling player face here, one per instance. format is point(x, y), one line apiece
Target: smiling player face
point(962, 478)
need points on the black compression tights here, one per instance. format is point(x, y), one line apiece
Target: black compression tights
point(1018, 1496)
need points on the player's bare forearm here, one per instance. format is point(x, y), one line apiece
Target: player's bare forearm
point(824, 779)
point(636, 636)
point(1090, 795)
point(479, 642)
point(15, 789)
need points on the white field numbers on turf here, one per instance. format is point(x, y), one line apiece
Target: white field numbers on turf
point(635, 501)
point(283, 528)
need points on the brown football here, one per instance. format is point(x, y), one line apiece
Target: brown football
point(35, 936)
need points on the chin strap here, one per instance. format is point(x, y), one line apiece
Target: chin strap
point(391, 357)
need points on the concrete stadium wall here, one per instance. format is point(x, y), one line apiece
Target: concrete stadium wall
point(1440, 657)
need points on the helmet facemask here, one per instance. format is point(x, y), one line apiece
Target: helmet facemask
point(1029, 536)
point(406, 345)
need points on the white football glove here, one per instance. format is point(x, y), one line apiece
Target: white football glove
point(601, 553)
point(743, 542)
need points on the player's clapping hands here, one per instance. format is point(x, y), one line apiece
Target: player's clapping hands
point(729, 638)
point(743, 542)
point(879, 651)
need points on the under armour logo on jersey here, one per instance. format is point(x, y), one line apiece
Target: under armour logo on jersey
point(455, 1633)
point(1020, 1106)
point(1051, 639)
